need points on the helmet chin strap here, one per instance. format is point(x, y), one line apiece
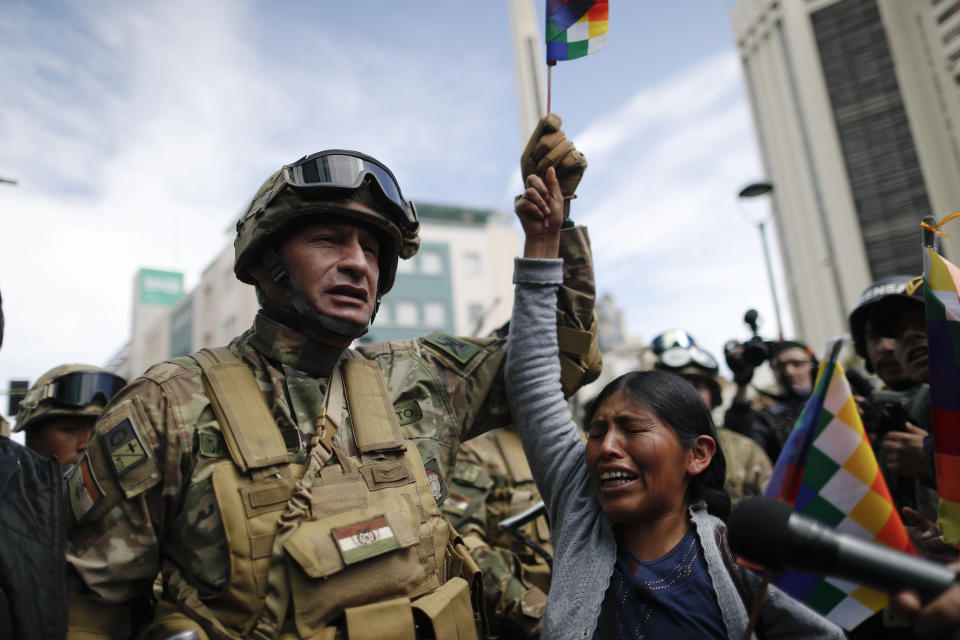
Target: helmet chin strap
point(304, 315)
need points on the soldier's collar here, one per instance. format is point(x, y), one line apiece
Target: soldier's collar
point(283, 344)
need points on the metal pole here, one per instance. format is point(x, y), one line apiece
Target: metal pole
point(762, 226)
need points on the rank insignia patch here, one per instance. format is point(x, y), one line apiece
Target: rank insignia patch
point(435, 478)
point(124, 447)
point(212, 445)
point(408, 412)
point(460, 350)
point(83, 491)
point(367, 539)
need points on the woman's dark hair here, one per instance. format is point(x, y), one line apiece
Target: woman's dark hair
point(676, 403)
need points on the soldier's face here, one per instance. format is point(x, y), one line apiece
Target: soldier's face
point(64, 437)
point(637, 465)
point(336, 265)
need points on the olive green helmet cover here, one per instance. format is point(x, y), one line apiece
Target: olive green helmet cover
point(34, 409)
point(277, 207)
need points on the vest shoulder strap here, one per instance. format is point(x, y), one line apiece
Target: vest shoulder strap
point(248, 428)
point(375, 426)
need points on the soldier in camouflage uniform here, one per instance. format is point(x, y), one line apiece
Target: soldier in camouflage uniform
point(59, 410)
point(748, 467)
point(492, 481)
point(272, 483)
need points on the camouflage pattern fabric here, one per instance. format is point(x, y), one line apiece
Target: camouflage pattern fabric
point(141, 498)
point(484, 491)
point(4, 427)
point(748, 467)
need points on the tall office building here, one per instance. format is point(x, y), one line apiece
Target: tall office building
point(857, 111)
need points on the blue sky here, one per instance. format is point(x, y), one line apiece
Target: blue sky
point(138, 131)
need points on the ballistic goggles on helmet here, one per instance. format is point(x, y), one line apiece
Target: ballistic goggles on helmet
point(81, 388)
point(341, 169)
point(671, 338)
point(680, 357)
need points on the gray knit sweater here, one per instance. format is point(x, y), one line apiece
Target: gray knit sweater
point(583, 540)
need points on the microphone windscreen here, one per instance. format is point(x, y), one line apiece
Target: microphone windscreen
point(759, 531)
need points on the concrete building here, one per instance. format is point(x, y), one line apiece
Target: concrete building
point(857, 115)
point(459, 282)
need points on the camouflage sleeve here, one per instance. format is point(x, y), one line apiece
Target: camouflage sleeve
point(482, 396)
point(576, 316)
point(514, 606)
point(124, 492)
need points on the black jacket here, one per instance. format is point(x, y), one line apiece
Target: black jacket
point(33, 597)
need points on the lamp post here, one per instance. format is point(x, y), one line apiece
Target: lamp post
point(763, 190)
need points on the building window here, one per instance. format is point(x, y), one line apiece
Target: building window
point(230, 325)
point(434, 314)
point(471, 264)
point(475, 313)
point(406, 314)
point(431, 263)
point(383, 314)
point(946, 15)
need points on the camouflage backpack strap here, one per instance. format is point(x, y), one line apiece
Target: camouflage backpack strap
point(241, 411)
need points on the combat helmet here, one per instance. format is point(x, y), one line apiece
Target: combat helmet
point(334, 184)
point(882, 288)
point(71, 390)
point(693, 362)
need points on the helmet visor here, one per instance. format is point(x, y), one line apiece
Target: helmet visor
point(680, 357)
point(338, 169)
point(672, 338)
point(80, 388)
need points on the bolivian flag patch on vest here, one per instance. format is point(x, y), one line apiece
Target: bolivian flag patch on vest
point(367, 539)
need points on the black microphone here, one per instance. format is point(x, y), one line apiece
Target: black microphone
point(769, 533)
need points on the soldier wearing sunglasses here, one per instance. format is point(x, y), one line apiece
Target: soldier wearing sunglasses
point(288, 485)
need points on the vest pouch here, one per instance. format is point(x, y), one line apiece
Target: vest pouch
point(250, 511)
point(378, 547)
point(449, 611)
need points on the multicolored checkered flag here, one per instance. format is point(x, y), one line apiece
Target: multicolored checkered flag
point(941, 282)
point(575, 28)
point(828, 471)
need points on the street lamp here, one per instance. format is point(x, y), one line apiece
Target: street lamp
point(762, 190)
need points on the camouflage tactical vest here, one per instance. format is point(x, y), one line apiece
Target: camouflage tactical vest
point(354, 549)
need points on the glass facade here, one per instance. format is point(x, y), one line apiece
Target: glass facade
point(885, 176)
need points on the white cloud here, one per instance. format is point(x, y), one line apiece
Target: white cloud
point(659, 198)
point(138, 132)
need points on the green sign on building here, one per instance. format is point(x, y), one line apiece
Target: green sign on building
point(160, 287)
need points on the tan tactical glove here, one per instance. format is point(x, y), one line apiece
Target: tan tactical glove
point(549, 147)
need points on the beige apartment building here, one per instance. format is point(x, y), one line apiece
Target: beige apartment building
point(856, 105)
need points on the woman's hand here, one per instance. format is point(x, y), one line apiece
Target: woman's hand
point(540, 210)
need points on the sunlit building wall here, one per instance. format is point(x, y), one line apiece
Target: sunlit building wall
point(857, 115)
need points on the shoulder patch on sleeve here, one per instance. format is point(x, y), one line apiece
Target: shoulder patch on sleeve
point(124, 435)
point(460, 350)
point(83, 490)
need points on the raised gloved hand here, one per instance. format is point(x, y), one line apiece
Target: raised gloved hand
point(549, 147)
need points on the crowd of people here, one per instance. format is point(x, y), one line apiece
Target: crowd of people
point(290, 485)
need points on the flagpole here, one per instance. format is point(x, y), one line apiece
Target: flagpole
point(550, 66)
point(930, 238)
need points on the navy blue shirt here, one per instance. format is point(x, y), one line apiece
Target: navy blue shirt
point(670, 597)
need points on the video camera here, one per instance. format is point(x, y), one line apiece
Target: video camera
point(756, 350)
